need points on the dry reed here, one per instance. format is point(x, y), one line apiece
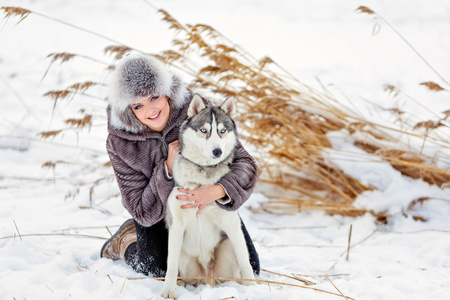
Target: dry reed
point(123, 285)
point(49, 289)
point(118, 51)
point(432, 86)
point(15, 225)
point(307, 282)
point(349, 241)
point(336, 287)
point(57, 234)
point(260, 281)
point(15, 12)
point(288, 122)
point(365, 9)
point(285, 120)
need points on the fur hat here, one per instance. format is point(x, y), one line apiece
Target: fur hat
point(137, 75)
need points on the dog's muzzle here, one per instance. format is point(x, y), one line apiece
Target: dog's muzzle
point(217, 152)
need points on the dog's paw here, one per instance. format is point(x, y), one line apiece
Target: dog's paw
point(249, 279)
point(167, 294)
point(248, 282)
point(181, 283)
point(169, 289)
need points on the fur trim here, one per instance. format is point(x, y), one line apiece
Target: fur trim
point(137, 75)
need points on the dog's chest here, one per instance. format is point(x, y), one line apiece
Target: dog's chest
point(202, 234)
point(190, 175)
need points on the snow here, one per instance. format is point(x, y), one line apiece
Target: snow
point(52, 219)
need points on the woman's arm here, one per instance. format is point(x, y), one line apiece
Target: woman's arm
point(240, 181)
point(144, 198)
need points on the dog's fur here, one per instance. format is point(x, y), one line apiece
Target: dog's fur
point(208, 243)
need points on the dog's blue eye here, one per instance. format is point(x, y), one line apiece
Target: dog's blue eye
point(203, 130)
point(223, 131)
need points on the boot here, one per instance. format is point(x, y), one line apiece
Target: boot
point(115, 247)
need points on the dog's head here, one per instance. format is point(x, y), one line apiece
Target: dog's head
point(209, 135)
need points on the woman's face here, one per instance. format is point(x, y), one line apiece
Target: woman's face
point(153, 111)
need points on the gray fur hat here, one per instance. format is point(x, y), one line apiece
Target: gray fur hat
point(137, 75)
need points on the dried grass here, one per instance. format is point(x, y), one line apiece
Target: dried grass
point(117, 51)
point(259, 281)
point(56, 234)
point(56, 95)
point(15, 12)
point(365, 9)
point(288, 123)
point(432, 86)
point(49, 134)
point(15, 225)
point(86, 121)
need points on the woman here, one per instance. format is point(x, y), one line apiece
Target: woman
point(146, 108)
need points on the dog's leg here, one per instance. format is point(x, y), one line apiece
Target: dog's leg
point(176, 233)
point(225, 261)
point(232, 228)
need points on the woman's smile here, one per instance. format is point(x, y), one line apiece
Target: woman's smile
point(155, 116)
point(152, 111)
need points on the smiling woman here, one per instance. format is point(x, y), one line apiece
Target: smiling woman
point(147, 105)
point(153, 111)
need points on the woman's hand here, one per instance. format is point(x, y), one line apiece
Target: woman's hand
point(174, 149)
point(201, 196)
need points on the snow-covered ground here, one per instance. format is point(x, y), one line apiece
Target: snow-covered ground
point(61, 213)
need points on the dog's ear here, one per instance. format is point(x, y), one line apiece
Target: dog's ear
point(196, 106)
point(229, 107)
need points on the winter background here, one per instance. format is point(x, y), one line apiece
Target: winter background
point(61, 213)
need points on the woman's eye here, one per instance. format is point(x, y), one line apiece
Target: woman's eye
point(137, 107)
point(154, 98)
point(203, 130)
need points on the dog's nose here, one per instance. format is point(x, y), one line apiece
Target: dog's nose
point(217, 152)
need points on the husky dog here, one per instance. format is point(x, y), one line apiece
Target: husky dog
point(208, 243)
